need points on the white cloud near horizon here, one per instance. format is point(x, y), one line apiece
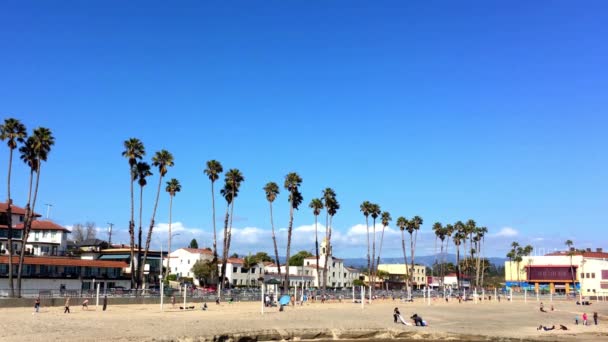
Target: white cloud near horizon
point(506, 232)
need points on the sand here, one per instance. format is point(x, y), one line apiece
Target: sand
point(489, 321)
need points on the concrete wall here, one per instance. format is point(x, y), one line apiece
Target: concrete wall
point(75, 302)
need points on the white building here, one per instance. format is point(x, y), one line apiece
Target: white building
point(238, 275)
point(182, 260)
point(46, 238)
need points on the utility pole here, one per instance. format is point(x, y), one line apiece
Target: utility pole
point(48, 209)
point(110, 234)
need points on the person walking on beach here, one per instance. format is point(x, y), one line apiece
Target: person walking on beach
point(595, 317)
point(105, 302)
point(584, 318)
point(396, 314)
point(85, 304)
point(173, 301)
point(67, 305)
point(37, 305)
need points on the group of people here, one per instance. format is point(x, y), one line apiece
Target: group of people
point(66, 305)
point(416, 320)
point(585, 319)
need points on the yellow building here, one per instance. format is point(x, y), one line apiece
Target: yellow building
point(397, 274)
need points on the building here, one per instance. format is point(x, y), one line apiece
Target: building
point(298, 275)
point(561, 272)
point(397, 274)
point(50, 273)
point(46, 238)
point(338, 275)
point(182, 260)
point(237, 274)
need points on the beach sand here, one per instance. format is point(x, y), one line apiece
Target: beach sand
point(489, 321)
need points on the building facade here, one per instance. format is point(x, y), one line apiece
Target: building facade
point(397, 275)
point(181, 261)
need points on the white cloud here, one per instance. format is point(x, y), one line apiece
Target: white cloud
point(507, 232)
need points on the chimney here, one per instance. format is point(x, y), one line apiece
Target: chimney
point(599, 250)
point(588, 249)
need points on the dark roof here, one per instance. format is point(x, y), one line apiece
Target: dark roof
point(91, 242)
point(586, 254)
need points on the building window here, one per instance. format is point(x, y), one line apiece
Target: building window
point(45, 234)
point(588, 275)
point(234, 270)
point(188, 261)
point(593, 275)
point(53, 234)
point(307, 263)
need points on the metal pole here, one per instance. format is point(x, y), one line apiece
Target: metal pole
point(429, 295)
point(160, 277)
point(185, 296)
point(495, 294)
point(511, 294)
point(97, 301)
point(162, 292)
point(525, 295)
point(262, 297)
point(362, 296)
point(353, 293)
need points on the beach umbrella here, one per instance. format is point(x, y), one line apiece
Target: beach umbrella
point(285, 299)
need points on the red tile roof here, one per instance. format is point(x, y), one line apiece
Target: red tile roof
point(585, 254)
point(43, 225)
point(198, 250)
point(14, 209)
point(62, 261)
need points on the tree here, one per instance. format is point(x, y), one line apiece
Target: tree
point(134, 151)
point(569, 244)
point(142, 172)
point(173, 187)
point(316, 204)
point(458, 237)
point(298, 258)
point(331, 204)
point(480, 233)
point(449, 231)
point(90, 230)
point(14, 132)
point(162, 159)
point(34, 152)
point(365, 209)
point(204, 269)
point(402, 223)
point(438, 230)
point(412, 228)
point(248, 263)
point(234, 255)
point(272, 191)
point(374, 213)
point(262, 257)
point(78, 233)
point(386, 219)
point(232, 184)
point(292, 184)
point(213, 171)
point(193, 244)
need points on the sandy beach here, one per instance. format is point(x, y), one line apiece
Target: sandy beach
point(243, 321)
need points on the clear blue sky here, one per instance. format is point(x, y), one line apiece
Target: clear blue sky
point(495, 111)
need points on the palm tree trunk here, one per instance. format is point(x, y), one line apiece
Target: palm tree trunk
point(10, 226)
point(380, 249)
point(412, 261)
point(139, 265)
point(151, 228)
point(27, 226)
point(170, 236)
point(458, 267)
point(274, 241)
point(483, 266)
point(441, 274)
point(224, 252)
point(288, 245)
point(373, 270)
point(369, 267)
point(478, 264)
point(328, 251)
point(214, 230)
point(317, 249)
point(325, 275)
point(407, 281)
point(132, 231)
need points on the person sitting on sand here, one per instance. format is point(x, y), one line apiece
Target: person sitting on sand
point(545, 328)
point(562, 327)
point(417, 320)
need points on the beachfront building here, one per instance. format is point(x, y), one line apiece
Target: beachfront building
point(397, 274)
point(181, 261)
point(298, 275)
point(45, 274)
point(338, 275)
point(123, 254)
point(561, 272)
point(450, 281)
point(46, 238)
point(238, 273)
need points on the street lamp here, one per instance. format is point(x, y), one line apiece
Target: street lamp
point(169, 254)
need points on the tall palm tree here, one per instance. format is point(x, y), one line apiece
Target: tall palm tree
point(365, 208)
point(332, 206)
point(232, 185)
point(134, 151)
point(162, 159)
point(173, 187)
point(272, 191)
point(479, 234)
point(402, 223)
point(459, 236)
point(14, 132)
point(514, 254)
point(484, 264)
point(213, 171)
point(40, 145)
point(375, 212)
point(143, 172)
point(316, 205)
point(412, 228)
point(569, 244)
point(292, 184)
point(469, 229)
point(385, 219)
point(449, 231)
point(438, 230)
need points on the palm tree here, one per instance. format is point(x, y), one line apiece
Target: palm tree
point(413, 227)
point(514, 255)
point(484, 263)
point(232, 184)
point(14, 132)
point(374, 213)
point(469, 229)
point(213, 171)
point(292, 185)
point(402, 223)
point(511, 257)
point(134, 151)
point(365, 208)
point(449, 230)
point(479, 234)
point(248, 263)
point(569, 244)
point(385, 219)
point(162, 160)
point(172, 188)
point(272, 191)
point(332, 206)
point(143, 171)
point(38, 145)
point(438, 230)
point(459, 236)
point(316, 205)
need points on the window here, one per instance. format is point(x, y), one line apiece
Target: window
point(234, 270)
point(588, 275)
point(593, 275)
point(36, 235)
point(53, 234)
point(45, 234)
point(253, 270)
point(188, 261)
point(333, 265)
point(307, 263)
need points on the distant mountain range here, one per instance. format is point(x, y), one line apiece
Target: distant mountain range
point(427, 260)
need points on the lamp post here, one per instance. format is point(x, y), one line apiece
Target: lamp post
point(169, 253)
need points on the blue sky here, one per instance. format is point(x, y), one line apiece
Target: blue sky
point(494, 111)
